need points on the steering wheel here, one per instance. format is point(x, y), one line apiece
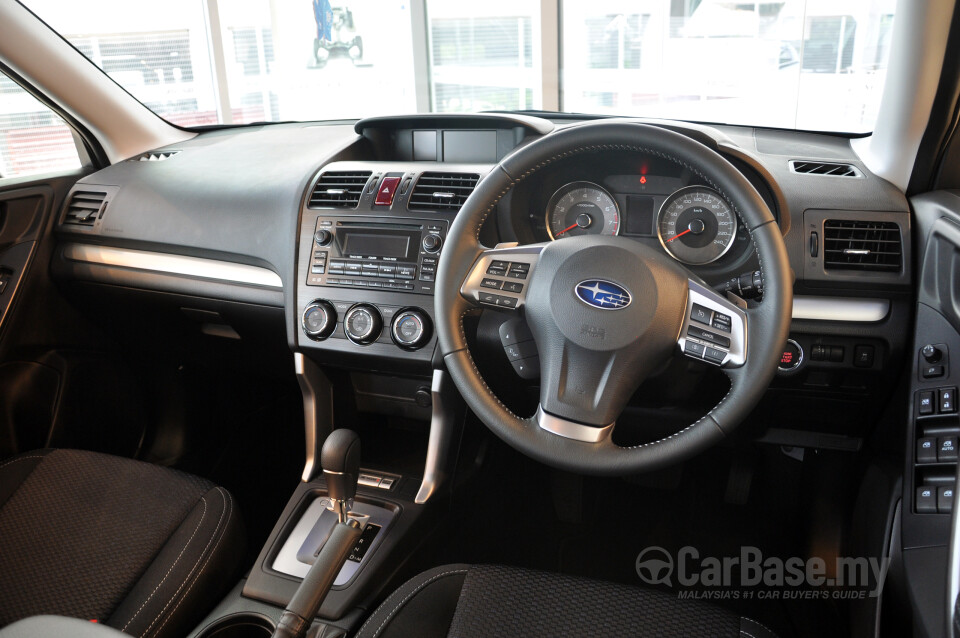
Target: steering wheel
point(606, 312)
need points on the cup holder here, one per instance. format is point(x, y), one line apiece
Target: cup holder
point(243, 625)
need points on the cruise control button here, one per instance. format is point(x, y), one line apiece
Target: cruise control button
point(706, 335)
point(721, 322)
point(713, 355)
point(694, 349)
point(701, 314)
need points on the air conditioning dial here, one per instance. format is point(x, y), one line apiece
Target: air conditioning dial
point(363, 324)
point(319, 320)
point(411, 329)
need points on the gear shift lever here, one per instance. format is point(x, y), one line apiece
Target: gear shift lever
point(340, 458)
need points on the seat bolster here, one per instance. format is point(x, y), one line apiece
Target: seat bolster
point(196, 565)
point(422, 607)
point(50, 626)
point(15, 470)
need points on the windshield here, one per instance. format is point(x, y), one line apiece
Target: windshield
point(798, 64)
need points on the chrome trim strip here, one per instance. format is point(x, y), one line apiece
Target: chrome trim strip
point(442, 432)
point(317, 410)
point(172, 264)
point(840, 309)
point(953, 564)
point(571, 430)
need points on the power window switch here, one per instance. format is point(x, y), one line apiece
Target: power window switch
point(945, 499)
point(927, 450)
point(948, 400)
point(926, 501)
point(947, 448)
point(925, 404)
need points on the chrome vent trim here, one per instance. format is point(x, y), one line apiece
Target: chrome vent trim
point(833, 169)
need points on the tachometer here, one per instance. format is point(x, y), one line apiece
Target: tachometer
point(582, 208)
point(696, 225)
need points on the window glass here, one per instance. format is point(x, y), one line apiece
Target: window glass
point(33, 139)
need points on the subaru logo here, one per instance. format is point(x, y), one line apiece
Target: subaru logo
point(605, 295)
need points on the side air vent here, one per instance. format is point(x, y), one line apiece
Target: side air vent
point(339, 189)
point(84, 208)
point(824, 168)
point(862, 245)
point(442, 192)
point(154, 156)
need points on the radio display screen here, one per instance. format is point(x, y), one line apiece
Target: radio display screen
point(383, 244)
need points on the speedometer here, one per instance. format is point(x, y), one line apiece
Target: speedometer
point(696, 225)
point(582, 208)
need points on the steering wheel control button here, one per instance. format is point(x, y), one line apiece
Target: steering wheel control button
point(694, 349)
point(713, 355)
point(411, 329)
point(514, 331)
point(386, 191)
point(946, 449)
point(489, 282)
point(791, 357)
point(512, 286)
point(319, 320)
point(521, 350)
point(706, 335)
point(527, 368)
point(721, 322)
point(363, 324)
point(498, 268)
point(926, 501)
point(927, 450)
point(701, 314)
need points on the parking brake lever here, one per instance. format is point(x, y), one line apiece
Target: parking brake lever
point(340, 458)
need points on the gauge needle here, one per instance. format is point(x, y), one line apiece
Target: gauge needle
point(571, 227)
point(675, 236)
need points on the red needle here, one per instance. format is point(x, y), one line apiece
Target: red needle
point(571, 227)
point(677, 235)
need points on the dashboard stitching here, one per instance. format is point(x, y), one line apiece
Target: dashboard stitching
point(631, 148)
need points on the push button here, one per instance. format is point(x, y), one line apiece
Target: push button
point(490, 282)
point(944, 499)
point(706, 335)
point(863, 356)
point(947, 448)
point(948, 403)
point(701, 314)
point(694, 349)
point(932, 372)
point(721, 322)
point(925, 405)
point(388, 187)
point(527, 368)
point(927, 450)
point(926, 501)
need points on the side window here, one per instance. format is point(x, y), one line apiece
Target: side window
point(33, 139)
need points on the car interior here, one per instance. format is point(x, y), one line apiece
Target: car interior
point(476, 371)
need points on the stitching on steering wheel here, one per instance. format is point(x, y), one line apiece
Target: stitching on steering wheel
point(615, 147)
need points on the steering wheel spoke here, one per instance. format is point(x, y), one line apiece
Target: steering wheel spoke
point(714, 328)
point(571, 429)
point(500, 277)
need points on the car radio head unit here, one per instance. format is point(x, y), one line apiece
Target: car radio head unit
point(376, 253)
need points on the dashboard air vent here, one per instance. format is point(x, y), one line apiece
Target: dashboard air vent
point(442, 192)
point(824, 168)
point(862, 245)
point(84, 207)
point(154, 156)
point(339, 189)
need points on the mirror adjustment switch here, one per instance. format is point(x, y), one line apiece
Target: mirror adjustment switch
point(926, 501)
point(927, 450)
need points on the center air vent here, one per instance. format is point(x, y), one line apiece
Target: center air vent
point(84, 207)
point(824, 168)
point(339, 189)
point(154, 156)
point(862, 245)
point(442, 192)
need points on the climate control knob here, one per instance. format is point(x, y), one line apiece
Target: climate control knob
point(319, 319)
point(411, 329)
point(432, 243)
point(363, 324)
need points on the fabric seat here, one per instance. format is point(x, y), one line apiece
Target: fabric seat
point(144, 549)
point(463, 601)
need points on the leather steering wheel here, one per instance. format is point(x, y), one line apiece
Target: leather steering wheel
point(593, 358)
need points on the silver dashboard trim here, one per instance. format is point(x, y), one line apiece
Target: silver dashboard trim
point(317, 410)
point(442, 434)
point(840, 309)
point(571, 430)
point(172, 264)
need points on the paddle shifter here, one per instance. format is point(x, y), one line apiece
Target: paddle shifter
point(340, 458)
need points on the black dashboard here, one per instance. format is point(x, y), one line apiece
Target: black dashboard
point(336, 230)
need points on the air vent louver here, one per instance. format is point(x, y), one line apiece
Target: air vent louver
point(154, 156)
point(84, 207)
point(442, 192)
point(339, 189)
point(824, 168)
point(862, 245)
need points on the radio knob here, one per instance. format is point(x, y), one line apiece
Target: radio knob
point(363, 324)
point(323, 237)
point(432, 243)
point(411, 329)
point(319, 320)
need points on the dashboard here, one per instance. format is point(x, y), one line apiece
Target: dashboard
point(330, 235)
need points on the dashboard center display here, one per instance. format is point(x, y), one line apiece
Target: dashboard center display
point(696, 226)
point(360, 244)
